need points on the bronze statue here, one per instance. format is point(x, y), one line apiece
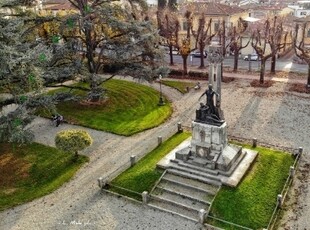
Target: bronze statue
point(208, 113)
point(209, 98)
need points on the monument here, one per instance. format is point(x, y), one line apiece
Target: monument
point(209, 145)
point(209, 155)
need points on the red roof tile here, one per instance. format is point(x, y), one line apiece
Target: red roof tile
point(211, 8)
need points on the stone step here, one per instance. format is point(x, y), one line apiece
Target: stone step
point(196, 176)
point(178, 209)
point(191, 192)
point(195, 172)
point(179, 199)
point(195, 167)
point(184, 192)
point(191, 183)
point(235, 165)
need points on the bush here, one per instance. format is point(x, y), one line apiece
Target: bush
point(177, 72)
point(198, 75)
point(72, 141)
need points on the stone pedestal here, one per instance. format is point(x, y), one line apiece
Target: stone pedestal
point(209, 148)
point(208, 140)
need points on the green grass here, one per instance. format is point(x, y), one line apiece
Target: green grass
point(130, 108)
point(32, 171)
point(251, 204)
point(142, 176)
point(179, 85)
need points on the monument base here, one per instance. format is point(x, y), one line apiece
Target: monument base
point(209, 147)
point(223, 161)
point(208, 156)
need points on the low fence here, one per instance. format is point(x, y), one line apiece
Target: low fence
point(102, 182)
point(281, 197)
point(230, 224)
point(134, 158)
point(123, 192)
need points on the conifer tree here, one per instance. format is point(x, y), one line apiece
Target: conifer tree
point(22, 59)
point(113, 39)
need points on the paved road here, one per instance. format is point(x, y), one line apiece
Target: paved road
point(283, 65)
point(272, 115)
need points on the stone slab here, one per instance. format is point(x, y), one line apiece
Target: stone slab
point(232, 180)
point(241, 169)
point(164, 162)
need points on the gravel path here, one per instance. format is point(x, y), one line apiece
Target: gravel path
point(271, 115)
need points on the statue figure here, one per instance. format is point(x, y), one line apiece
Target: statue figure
point(210, 101)
point(208, 113)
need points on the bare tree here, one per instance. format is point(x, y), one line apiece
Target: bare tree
point(266, 42)
point(235, 43)
point(203, 36)
point(300, 49)
point(276, 41)
point(185, 47)
point(169, 29)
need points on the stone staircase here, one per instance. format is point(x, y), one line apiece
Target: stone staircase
point(183, 196)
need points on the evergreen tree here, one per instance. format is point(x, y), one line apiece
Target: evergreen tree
point(113, 38)
point(21, 61)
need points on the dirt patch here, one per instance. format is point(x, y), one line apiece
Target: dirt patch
point(266, 84)
point(288, 75)
point(12, 170)
point(300, 88)
point(228, 79)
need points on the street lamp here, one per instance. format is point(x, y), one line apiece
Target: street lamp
point(161, 101)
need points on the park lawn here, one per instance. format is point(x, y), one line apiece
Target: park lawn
point(130, 108)
point(143, 175)
point(179, 85)
point(251, 204)
point(31, 171)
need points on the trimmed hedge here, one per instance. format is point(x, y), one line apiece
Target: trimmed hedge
point(177, 73)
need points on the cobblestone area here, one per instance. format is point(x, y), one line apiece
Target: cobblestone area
point(271, 115)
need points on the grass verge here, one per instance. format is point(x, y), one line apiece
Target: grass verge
point(179, 85)
point(251, 204)
point(142, 176)
point(130, 108)
point(32, 171)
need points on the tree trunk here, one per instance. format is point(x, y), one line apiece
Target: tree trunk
point(171, 55)
point(184, 64)
point(262, 71)
point(273, 64)
point(236, 58)
point(308, 81)
point(202, 63)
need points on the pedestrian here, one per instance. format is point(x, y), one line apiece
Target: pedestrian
point(57, 119)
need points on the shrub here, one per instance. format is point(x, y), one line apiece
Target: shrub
point(178, 72)
point(73, 141)
point(196, 75)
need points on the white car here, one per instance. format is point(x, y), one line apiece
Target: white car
point(197, 54)
point(254, 57)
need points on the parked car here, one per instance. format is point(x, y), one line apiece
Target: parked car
point(197, 54)
point(254, 57)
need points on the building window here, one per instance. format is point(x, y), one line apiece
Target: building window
point(308, 33)
point(185, 26)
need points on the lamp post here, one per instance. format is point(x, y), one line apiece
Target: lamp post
point(161, 101)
